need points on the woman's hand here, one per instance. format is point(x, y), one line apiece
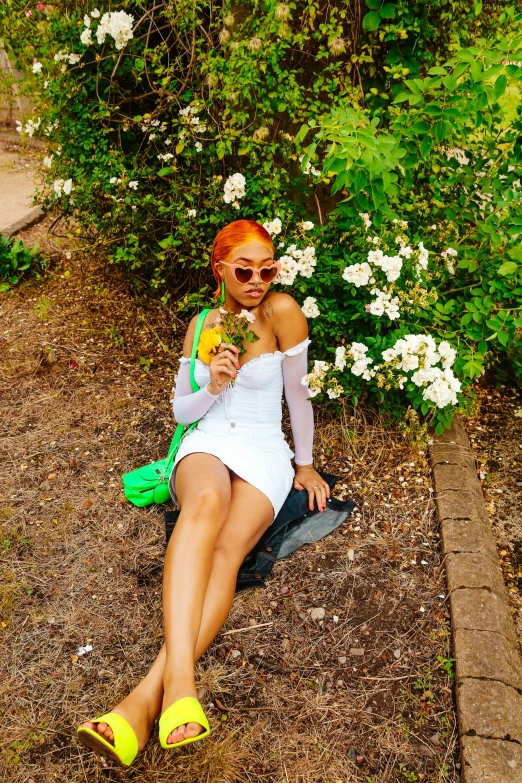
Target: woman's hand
point(307, 478)
point(223, 366)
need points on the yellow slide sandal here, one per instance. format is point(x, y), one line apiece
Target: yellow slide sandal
point(183, 711)
point(125, 745)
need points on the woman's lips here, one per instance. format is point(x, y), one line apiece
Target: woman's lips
point(254, 293)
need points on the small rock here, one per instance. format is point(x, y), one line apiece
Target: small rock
point(352, 754)
point(351, 555)
point(435, 738)
point(86, 504)
point(50, 357)
point(252, 621)
point(397, 652)
point(359, 759)
point(357, 651)
point(284, 590)
point(340, 683)
point(303, 615)
point(51, 476)
point(273, 604)
point(51, 620)
point(201, 693)
point(235, 654)
point(342, 659)
point(285, 644)
point(317, 613)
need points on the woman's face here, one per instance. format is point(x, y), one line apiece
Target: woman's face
point(251, 254)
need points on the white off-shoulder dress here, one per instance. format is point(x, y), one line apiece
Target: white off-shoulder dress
point(243, 425)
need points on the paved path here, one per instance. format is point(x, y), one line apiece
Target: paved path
point(17, 183)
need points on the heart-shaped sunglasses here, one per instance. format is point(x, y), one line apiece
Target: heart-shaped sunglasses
point(244, 274)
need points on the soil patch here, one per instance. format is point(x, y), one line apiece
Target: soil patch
point(495, 432)
point(365, 694)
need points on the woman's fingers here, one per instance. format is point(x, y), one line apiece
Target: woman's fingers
point(228, 356)
point(231, 351)
point(319, 496)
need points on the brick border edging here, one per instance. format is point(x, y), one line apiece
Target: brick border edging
point(488, 668)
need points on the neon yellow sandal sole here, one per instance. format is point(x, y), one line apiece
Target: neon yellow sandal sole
point(183, 711)
point(125, 745)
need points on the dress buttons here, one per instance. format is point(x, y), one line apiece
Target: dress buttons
point(232, 423)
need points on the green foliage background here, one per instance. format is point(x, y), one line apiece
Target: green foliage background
point(372, 95)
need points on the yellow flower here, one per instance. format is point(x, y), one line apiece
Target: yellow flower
point(209, 342)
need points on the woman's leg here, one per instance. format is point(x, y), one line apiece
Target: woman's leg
point(204, 489)
point(250, 514)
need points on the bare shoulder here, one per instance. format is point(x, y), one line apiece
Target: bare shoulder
point(189, 337)
point(290, 325)
point(281, 305)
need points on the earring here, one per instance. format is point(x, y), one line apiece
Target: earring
point(223, 295)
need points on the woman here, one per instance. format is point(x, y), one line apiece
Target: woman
point(231, 476)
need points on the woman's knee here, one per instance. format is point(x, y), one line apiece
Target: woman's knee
point(207, 502)
point(230, 553)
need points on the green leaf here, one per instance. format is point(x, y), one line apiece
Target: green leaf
point(165, 172)
point(440, 130)
point(303, 130)
point(500, 86)
point(180, 146)
point(425, 146)
point(388, 11)
point(371, 21)
point(139, 63)
point(507, 268)
point(476, 70)
point(402, 96)
point(374, 5)
point(503, 338)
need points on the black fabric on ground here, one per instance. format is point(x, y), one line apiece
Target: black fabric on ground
point(294, 526)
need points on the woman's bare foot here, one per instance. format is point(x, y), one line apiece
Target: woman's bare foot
point(136, 713)
point(172, 693)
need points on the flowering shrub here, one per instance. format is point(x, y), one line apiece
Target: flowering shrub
point(165, 125)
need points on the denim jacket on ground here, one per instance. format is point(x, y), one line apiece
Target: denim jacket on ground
point(294, 526)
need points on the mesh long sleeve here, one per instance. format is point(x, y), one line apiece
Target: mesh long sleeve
point(295, 366)
point(189, 406)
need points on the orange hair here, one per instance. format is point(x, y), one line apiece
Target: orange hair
point(231, 236)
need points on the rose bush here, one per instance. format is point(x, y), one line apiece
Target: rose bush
point(163, 125)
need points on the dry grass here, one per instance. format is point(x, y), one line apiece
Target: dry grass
point(495, 430)
point(80, 565)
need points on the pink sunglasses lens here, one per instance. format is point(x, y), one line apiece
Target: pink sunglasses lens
point(243, 274)
point(268, 273)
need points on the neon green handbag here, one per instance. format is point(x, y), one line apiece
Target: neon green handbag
point(150, 484)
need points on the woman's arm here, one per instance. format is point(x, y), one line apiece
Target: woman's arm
point(190, 406)
point(291, 330)
point(295, 366)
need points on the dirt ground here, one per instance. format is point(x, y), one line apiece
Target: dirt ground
point(495, 432)
point(364, 695)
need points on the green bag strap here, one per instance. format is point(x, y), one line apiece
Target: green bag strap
point(197, 335)
point(180, 429)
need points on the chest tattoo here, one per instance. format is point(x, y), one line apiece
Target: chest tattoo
point(267, 310)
